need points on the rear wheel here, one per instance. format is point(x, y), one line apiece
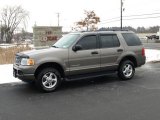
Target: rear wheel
point(48, 79)
point(126, 70)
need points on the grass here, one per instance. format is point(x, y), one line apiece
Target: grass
point(7, 55)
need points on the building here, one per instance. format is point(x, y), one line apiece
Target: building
point(46, 35)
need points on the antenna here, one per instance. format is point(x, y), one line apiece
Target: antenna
point(58, 18)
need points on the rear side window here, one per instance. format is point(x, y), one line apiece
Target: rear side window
point(131, 39)
point(88, 42)
point(108, 41)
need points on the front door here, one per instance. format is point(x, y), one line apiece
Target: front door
point(87, 59)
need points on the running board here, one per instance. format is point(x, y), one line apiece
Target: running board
point(88, 76)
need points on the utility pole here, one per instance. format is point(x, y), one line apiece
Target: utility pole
point(121, 13)
point(58, 18)
point(122, 9)
point(1, 39)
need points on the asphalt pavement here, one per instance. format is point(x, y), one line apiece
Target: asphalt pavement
point(105, 98)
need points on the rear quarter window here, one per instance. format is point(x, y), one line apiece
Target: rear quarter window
point(131, 39)
point(108, 41)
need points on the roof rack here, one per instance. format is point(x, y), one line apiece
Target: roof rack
point(113, 30)
point(99, 31)
point(120, 30)
point(82, 31)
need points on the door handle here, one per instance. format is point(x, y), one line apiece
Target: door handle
point(120, 50)
point(94, 52)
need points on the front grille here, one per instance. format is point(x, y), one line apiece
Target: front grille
point(17, 72)
point(18, 60)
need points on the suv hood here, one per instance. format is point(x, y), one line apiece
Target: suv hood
point(40, 52)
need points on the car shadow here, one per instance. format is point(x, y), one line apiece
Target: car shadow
point(98, 81)
point(31, 88)
point(66, 87)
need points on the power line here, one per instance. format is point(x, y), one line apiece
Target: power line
point(157, 13)
point(142, 15)
point(143, 18)
point(131, 19)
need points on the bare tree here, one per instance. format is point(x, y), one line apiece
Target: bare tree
point(11, 18)
point(89, 22)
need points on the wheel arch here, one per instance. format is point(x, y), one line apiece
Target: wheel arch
point(131, 58)
point(50, 65)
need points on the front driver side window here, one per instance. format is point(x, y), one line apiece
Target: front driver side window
point(88, 42)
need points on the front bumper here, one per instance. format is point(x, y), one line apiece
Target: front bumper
point(24, 73)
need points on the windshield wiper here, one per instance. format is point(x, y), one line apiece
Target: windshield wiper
point(54, 46)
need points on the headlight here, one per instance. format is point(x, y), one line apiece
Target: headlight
point(27, 61)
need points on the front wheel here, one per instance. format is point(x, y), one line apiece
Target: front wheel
point(126, 70)
point(48, 79)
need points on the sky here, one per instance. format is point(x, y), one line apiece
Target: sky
point(44, 12)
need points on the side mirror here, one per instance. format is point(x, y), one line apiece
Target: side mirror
point(77, 47)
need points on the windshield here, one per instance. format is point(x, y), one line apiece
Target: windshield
point(66, 41)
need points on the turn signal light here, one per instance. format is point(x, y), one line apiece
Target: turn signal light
point(30, 62)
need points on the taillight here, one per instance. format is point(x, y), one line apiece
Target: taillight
point(143, 52)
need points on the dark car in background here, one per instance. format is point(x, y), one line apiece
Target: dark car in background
point(153, 37)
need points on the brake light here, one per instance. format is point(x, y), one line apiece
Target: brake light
point(143, 52)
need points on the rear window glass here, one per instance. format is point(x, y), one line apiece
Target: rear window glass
point(131, 39)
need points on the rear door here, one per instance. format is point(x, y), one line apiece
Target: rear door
point(86, 60)
point(110, 49)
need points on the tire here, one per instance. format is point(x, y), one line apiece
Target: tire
point(48, 80)
point(126, 70)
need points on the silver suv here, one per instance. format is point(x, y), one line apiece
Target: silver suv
point(81, 55)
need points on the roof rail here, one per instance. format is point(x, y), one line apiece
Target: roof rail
point(114, 30)
point(84, 31)
point(98, 31)
point(120, 30)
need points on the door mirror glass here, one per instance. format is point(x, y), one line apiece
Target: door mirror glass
point(77, 47)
